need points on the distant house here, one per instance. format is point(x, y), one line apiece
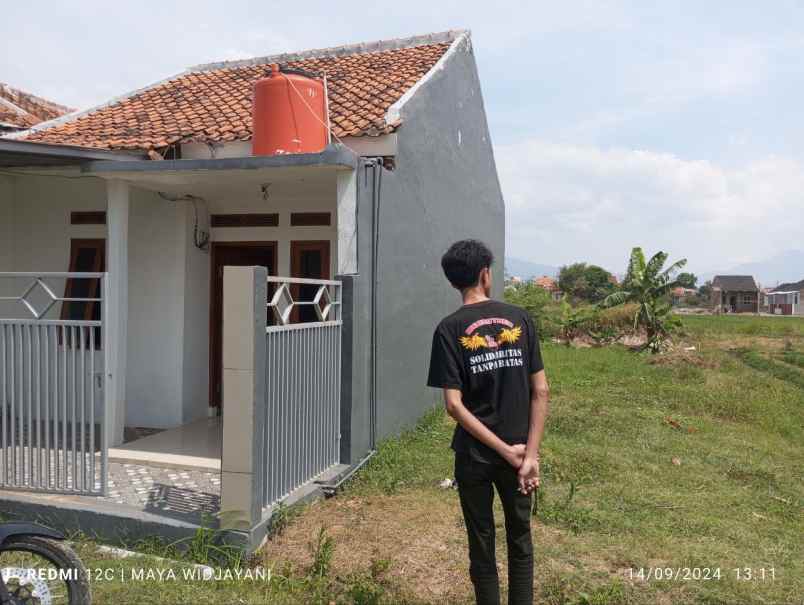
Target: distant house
point(679, 295)
point(734, 294)
point(20, 110)
point(764, 299)
point(787, 299)
point(549, 284)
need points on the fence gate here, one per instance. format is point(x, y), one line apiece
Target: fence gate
point(303, 382)
point(53, 356)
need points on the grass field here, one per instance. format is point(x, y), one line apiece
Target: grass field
point(693, 459)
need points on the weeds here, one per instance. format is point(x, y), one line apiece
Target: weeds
point(756, 361)
point(795, 358)
point(565, 513)
point(322, 550)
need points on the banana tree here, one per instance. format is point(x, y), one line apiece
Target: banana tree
point(649, 284)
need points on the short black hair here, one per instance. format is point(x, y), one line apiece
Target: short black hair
point(464, 261)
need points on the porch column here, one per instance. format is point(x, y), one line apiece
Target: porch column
point(243, 451)
point(117, 209)
point(347, 222)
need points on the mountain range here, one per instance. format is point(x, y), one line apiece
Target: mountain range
point(526, 269)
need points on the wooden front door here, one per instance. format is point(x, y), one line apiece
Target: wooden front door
point(238, 254)
point(309, 259)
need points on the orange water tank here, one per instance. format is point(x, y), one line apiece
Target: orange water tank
point(289, 114)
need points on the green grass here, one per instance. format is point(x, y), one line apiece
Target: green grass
point(697, 461)
point(795, 358)
point(768, 365)
point(744, 325)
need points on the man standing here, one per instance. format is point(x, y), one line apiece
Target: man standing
point(487, 360)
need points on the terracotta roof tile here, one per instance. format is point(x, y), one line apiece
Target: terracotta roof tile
point(23, 110)
point(212, 104)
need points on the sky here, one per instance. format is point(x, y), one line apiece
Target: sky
point(675, 126)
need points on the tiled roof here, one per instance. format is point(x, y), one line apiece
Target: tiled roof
point(212, 103)
point(548, 283)
point(735, 283)
point(23, 110)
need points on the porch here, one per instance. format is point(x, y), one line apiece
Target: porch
point(89, 359)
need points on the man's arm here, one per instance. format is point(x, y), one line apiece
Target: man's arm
point(539, 407)
point(453, 400)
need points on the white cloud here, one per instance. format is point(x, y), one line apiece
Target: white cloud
point(567, 203)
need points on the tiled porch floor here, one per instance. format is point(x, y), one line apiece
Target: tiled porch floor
point(186, 494)
point(196, 445)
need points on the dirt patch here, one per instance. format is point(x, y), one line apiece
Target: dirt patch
point(763, 343)
point(679, 357)
point(417, 537)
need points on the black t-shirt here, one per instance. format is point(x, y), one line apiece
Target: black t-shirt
point(488, 350)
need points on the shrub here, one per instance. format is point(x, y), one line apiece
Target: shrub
point(539, 304)
point(620, 318)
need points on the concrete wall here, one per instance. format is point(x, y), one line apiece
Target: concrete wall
point(298, 197)
point(155, 312)
point(444, 188)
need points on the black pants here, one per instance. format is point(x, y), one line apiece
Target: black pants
point(476, 482)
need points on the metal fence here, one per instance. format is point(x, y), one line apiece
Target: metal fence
point(52, 399)
point(303, 380)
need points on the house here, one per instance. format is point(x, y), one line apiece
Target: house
point(269, 315)
point(786, 299)
point(20, 110)
point(734, 294)
point(764, 299)
point(680, 295)
point(549, 284)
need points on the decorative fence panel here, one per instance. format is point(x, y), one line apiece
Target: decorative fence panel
point(303, 383)
point(52, 401)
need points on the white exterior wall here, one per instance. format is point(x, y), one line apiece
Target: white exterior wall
point(312, 199)
point(155, 312)
point(36, 237)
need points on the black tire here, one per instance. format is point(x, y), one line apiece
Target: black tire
point(61, 556)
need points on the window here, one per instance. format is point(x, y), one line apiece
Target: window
point(86, 256)
point(310, 219)
point(748, 299)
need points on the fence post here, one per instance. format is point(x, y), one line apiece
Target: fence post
point(243, 451)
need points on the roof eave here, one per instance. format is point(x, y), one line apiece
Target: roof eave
point(338, 156)
point(18, 153)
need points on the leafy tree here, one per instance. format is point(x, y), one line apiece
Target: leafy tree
point(535, 300)
point(585, 282)
point(648, 284)
point(705, 291)
point(687, 280)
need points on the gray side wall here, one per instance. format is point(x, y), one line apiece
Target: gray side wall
point(444, 188)
point(356, 377)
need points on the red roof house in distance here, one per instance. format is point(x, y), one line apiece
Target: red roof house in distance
point(20, 110)
point(549, 284)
